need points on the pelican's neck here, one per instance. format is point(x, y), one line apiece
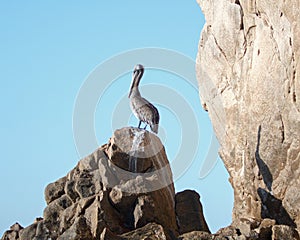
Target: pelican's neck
point(135, 92)
point(134, 89)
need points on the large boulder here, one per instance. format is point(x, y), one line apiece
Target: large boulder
point(189, 212)
point(122, 186)
point(248, 71)
point(124, 190)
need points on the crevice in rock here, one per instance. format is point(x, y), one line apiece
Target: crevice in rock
point(242, 20)
point(112, 204)
point(248, 39)
point(293, 82)
point(282, 130)
point(277, 52)
point(221, 50)
point(242, 14)
point(87, 204)
point(245, 48)
point(249, 36)
point(294, 97)
point(105, 150)
point(128, 218)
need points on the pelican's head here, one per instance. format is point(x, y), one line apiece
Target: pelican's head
point(138, 67)
point(137, 74)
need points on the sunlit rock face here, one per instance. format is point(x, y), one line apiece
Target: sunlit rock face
point(248, 71)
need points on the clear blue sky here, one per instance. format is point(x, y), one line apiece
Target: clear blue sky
point(48, 49)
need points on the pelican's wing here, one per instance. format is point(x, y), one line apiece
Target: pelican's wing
point(148, 112)
point(155, 118)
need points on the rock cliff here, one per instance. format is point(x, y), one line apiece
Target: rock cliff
point(248, 71)
point(124, 190)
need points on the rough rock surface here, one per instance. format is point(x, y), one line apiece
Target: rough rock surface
point(101, 199)
point(189, 212)
point(249, 78)
point(124, 190)
point(267, 230)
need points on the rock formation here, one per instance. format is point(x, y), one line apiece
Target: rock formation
point(124, 190)
point(248, 71)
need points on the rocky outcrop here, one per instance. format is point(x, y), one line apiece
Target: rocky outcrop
point(248, 71)
point(189, 212)
point(124, 190)
point(267, 230)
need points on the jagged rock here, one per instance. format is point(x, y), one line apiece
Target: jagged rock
point(144, 211)
point(246, 226)
point(151, 231)
point(36, 231)
point(28, 232)
point(13, 233)
point(54, 212)
point(189, 212)
point(108, 235)
point(146, 149)
point(121, 187)
point(284, 232)
point(80, 230)
point(265, 229)
point(230, 232)
point(16, 227)
point(55, 190)
point(195, 235)
point(248, 72)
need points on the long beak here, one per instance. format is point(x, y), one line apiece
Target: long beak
point(130, 91)
point(133, 83)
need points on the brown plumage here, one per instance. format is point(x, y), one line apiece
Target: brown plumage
point(140, 107)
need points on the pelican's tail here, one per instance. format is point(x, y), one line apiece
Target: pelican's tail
point(154, 128)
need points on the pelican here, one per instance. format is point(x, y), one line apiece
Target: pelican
point(141, 108)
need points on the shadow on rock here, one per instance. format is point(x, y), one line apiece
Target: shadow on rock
point(271, 206)
point(263, 167)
